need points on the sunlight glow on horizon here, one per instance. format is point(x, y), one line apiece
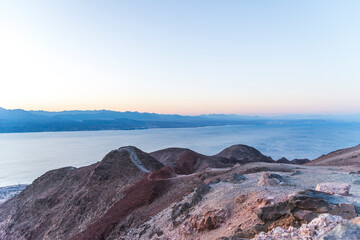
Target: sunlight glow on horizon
point(238, 57)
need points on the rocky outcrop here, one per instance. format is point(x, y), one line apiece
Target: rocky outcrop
point(270, 179)
point(324, 227)
point(304, 206)
point(180, 211)
point(334, 188)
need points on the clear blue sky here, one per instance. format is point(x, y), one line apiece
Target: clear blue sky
point(187, 57)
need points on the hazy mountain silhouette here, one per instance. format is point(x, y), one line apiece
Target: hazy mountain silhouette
point(18, 120)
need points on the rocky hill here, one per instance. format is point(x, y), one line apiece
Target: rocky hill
point(243, 154)
point(186, 161)
point(65, 201)
point(342, 157)
point(177, 193)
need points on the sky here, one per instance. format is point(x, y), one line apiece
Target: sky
point(185, 57)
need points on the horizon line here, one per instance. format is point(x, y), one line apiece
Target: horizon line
point(198, 114)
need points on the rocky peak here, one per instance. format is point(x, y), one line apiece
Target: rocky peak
point(244, 154)
point(283, 160)
point(125, 161)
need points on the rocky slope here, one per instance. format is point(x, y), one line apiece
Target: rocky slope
point(342, 157)
point(179, 194)
point(65, 201)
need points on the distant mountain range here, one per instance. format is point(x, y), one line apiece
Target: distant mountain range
point(18, 120)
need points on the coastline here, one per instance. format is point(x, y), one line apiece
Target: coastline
point(9, 192)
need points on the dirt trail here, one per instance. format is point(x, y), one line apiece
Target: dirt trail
point(135, 160)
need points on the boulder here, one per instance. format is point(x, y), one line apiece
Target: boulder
point(270, 179)
point(311, 200)
point(333, 188)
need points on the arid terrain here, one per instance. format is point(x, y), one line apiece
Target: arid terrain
point(177, 193)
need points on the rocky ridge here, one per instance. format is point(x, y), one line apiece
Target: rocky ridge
point(342, 157)
point(180, 194)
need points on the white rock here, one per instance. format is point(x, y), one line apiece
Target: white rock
point(313, 230)
point(334, 188)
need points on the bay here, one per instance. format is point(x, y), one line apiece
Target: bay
point(26, 156)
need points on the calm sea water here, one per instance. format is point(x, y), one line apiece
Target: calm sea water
point(26, 156)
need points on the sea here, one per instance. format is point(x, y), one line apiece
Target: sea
point(26, 156)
